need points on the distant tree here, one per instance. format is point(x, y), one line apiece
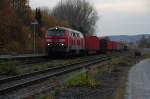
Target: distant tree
point(106, 38)
point(143, 42)
point(38, 16)
point(80, 15)
point(22, 9)
point(148, 41)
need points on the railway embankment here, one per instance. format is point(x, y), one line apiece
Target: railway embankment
point(106, 80)
point(20, 86)
point(91, 77)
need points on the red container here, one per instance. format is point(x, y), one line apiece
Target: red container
point(114, 45)
point(92, 43)
point(119, 46)
point(110, 46)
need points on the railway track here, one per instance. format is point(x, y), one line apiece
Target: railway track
point(10, 84)
point(27, 60)
point(35, 64)
point(21, 57)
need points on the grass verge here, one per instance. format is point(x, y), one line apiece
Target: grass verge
point(116, 69)
point(80, 79)
point(9, 68)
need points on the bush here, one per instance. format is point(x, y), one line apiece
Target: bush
point(116, 64)
point(27, 39)
point(119, 62)
point(13, 46)
point(56, 92)
point(42, 97)
point(9, 68)
point(81, 79)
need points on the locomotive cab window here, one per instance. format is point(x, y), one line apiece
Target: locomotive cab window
point(78, 35)
point(74, 34)
point(56, 32)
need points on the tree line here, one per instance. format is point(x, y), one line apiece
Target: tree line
point(144, 42)
point(16, 17)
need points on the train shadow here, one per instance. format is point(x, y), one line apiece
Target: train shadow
point(66, 56)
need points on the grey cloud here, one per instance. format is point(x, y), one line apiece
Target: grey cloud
point(132, 19)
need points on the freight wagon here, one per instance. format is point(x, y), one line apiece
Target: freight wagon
point(92, 44)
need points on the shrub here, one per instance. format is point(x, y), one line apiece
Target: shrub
point(42, 97)
point(119, 61)
point(56, 92)
point(13, 46)
point(9, 68)
point(116, 64)
point(81, 79)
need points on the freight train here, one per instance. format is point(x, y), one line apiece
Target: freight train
point(61, 40)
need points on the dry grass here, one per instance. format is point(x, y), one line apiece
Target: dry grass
point(120, 93)
point(147, 55)
point(81, 79)
point(86, 79)
point(121, 88)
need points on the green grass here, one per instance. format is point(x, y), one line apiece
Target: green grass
point(80, 79)
point(9, 68)
point(42, 97)
point(56, 92)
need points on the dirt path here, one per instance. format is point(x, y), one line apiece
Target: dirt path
point(139, 81)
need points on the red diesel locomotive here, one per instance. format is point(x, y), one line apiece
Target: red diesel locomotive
point(64, 40)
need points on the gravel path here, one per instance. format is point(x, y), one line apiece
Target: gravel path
point(139, 81)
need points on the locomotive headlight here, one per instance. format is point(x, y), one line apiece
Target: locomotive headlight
point(61, 40)
point(62, 44)
point(48, 44)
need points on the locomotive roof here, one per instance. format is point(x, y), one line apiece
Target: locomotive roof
point(64, 28)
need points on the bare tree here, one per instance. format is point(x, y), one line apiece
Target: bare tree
point(80, 15)
point(143, 42)
point(148, 41)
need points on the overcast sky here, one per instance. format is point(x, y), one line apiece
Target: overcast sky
point(117, 17)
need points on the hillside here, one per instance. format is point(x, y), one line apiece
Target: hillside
point(128, 38)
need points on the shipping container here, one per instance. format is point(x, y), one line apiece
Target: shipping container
point(110, 46)
point(114, 45)
point(103, 44)
point(92, 44)
point(120, 47)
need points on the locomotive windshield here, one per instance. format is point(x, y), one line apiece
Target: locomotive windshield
point(56, 32)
